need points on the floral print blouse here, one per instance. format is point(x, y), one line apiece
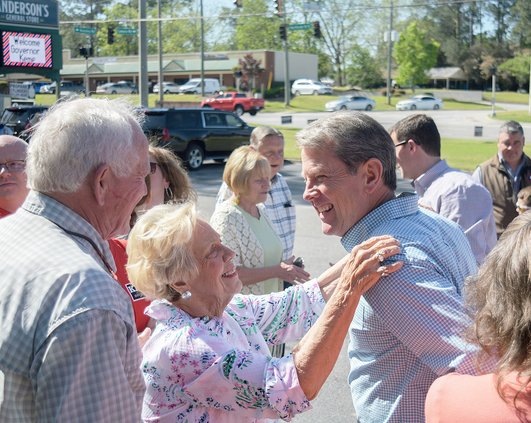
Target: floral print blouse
point(220, 369)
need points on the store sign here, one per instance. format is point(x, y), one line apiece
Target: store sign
point(30, 12)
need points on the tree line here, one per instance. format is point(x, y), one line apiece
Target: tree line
point(479, 36)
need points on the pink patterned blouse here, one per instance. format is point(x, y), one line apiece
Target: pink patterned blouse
point(219, 369)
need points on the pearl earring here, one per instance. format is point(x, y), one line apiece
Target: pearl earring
point(186, 295)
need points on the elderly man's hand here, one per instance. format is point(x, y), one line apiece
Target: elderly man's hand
point(143, 337)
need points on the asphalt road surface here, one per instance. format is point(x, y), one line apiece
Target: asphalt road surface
point(451, 123)
point(334, 403)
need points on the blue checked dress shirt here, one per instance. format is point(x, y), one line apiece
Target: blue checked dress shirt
point(408, 328)
point(280, 210)
point(68, 345)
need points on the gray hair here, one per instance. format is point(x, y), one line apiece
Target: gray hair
point(260, 133)
point(74, 137)
point(354, 138)
point(511, 127)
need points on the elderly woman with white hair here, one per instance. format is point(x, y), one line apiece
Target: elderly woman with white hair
point(208, 358)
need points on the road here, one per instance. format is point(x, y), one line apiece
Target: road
point(333, 403)
point(451, 123)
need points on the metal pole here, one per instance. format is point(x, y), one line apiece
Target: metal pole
point(202, 50)
point(529, 90)
point(493, 94)
point(161, 88)
point(87, 88)
point(389, 54)
point(142, 47)
point(287, 94)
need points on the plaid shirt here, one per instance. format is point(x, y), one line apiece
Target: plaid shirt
point(280, 209)
point(408, 328)
point(68, 345)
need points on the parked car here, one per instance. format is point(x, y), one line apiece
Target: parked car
point(235, 102)
point(167, 87)
point(193, 86)
point(308, 86)
point(67, 88)
point(120, 87)
point(21, 118)
point(351, 102)
point(196, 134)
point(420, 102)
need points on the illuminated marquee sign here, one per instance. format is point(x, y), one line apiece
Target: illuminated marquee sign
point(23, 49)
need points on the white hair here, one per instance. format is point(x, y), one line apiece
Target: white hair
point(75, 137)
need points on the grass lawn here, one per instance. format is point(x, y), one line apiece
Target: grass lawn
point(507, 97)
point(464, 154)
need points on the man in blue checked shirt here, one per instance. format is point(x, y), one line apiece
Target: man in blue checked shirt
point(407, 330)
point(68, 344)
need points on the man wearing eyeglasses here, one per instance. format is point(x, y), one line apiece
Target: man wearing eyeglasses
point(13, 188)
point(447, 191)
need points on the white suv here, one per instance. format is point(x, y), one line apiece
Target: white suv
point(310, 87)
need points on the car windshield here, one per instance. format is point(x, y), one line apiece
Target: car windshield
point(12, 116)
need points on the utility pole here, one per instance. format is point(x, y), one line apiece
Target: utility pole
point(389, 54)
point(161, 88)
point(202, 50)
point(281, 8)
point(142, 54)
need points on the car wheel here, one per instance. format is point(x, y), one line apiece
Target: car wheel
point(297, 93)
point(253, 112)
point(436, 107)
point(238, 110)
point(194, 156)
point(368, 108)
point(315, 92)
point(413, 107)
point(343, 107)
point(166, 91)
point(113, 92)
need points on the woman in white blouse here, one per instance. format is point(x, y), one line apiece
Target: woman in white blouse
point(245, 228)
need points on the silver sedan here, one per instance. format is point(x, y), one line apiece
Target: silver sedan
point(347, 102)
point(420, 102)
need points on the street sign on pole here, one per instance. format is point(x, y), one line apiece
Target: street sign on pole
point(298, 27)
point(126, 31)
point(85, 30)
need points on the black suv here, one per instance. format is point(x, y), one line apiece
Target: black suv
point(21, 118)
point(196, 134)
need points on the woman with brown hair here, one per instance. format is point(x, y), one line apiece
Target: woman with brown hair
point(500, 294)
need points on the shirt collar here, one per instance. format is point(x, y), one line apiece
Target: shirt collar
point(65, 218)
point(403, 205)
point(423, 182)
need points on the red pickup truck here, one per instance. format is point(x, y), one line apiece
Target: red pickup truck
point(235, 102)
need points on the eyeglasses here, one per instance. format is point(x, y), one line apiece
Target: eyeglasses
point(401, 143)
point(152, 167)
point(13, 166)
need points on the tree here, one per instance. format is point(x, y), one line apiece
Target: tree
point(257, 27)
point(518, 68)
point(250, 69)
point(521, 14)
point(415, 53)
point(363, 71)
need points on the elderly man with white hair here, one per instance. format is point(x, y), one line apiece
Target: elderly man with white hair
point(68, 344)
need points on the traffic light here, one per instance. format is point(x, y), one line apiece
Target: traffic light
point(110, 35)
point(237, 3)
point(278, 8)
point(283, 32)
point(317, 29)
point(83, 52)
